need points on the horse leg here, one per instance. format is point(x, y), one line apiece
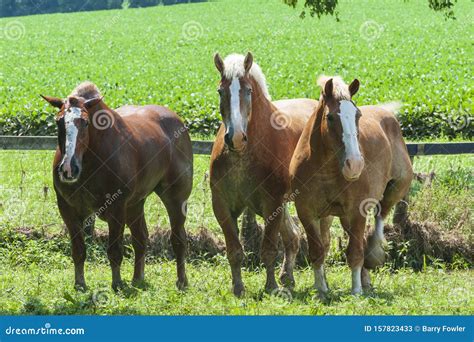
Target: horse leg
point(291, 242)
point(355, 251)
point(274, 223)
point(74, 226)
point(136, 222)
point(177, 213)
point(116, 224)
point(235, 253)
point(317, 233)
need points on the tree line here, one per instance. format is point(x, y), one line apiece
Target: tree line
point(9, 8)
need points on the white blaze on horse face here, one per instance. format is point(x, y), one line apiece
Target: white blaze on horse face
point(349, 129)
point(235, 115)
point(71, 137)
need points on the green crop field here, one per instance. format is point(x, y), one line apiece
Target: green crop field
point(399, 50)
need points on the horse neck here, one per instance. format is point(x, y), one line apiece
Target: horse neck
point(320, 144)
point(97, 137)
point(259, 124)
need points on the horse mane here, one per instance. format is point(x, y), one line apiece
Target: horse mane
point(86, 90)
point(340, 88)
point(234, 67)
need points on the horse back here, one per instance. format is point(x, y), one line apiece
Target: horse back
point(381, 127)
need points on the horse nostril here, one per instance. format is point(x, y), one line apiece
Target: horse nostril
point(348, 163)
point(244, 138)
point(228, 139)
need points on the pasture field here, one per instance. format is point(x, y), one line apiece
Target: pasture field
point(36, 275)
point(399, 50)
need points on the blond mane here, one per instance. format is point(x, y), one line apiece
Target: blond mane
point(340, 89)
point(234, 67)
point(86, 90)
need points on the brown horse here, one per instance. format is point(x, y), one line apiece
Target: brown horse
point(108, 162)
point(250, 164)
point(348, 160)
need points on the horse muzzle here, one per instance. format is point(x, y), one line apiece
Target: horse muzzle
point(353, 168)
point(236, 141)
point(69, 171)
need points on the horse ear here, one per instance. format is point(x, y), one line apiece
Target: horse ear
point(54, 101)
point(354, 87)
point(219, 63)
point(92, 102)
point(248, 62)
point(328, 87)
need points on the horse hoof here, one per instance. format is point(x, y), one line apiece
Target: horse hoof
point(116, 286)
point(139, 283)
point(287, 280)
point(270, 288)
point(357, 292)
point(182, 284)
point(238, 290)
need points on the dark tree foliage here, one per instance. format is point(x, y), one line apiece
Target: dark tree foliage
point(320, 8)
point(9, 8)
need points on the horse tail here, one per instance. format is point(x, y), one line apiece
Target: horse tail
point(374, 254)
point(392, 107)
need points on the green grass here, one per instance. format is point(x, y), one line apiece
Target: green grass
point(144, 56)
point(36, 276)
point(405, 292)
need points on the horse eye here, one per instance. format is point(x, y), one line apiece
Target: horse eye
point(330, 117)
point(220, 91)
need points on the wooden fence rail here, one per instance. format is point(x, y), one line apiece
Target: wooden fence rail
point(8, 142)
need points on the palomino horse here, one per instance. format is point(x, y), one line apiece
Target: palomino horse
point(250, 164)
point(108, 162)
point(348, 160)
